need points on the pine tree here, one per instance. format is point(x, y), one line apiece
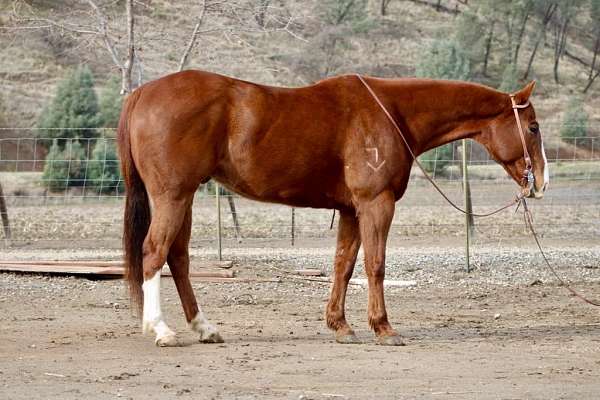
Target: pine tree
point(73, 112)
point(103, 173)
point(64, 168)
point(77, 158)
point(55, 169)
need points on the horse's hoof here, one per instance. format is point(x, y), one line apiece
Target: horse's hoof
point(167, 341)
point(347, 338)
point(394, 340)
point(214, 337)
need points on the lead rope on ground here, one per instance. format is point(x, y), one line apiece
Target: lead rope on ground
point(529, 224)
point(519, 199)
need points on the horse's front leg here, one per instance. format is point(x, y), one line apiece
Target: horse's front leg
point(375, 217)
point(348, 243)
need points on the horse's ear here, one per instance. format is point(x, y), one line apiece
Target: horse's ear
point(522, 96)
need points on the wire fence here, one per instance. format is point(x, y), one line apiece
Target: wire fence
point(65, 190)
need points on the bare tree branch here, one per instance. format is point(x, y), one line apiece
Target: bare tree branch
point(245, 19)
point(186, 54)
point(103, 31)
point(100, 31)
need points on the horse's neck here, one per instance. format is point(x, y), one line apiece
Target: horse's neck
point(438, 112)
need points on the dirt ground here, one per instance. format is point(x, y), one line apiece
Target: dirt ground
point(504, 331)
point(72, 338)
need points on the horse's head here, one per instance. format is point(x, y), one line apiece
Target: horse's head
point(502, 139)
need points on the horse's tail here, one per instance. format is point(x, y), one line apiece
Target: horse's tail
point(137, 209)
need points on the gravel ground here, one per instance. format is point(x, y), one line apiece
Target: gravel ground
point(504, 264)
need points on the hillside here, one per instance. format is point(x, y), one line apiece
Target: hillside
point(34, 59)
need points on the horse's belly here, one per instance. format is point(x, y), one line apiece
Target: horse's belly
point(281, 187)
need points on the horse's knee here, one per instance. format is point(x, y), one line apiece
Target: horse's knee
point(154, 259)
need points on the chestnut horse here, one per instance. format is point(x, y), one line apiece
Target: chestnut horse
point(328, 145)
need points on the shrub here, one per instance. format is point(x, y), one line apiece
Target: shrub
point(444, 59)
point(104, 175)
point(64, 168)
point(436, 160)
point(575, 121)
point(73, 112)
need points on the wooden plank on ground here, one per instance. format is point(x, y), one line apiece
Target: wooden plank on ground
point(112, 263)
point(115, 271)
point(84, 263)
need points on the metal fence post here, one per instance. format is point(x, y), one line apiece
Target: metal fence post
point(468, 206)
point(293, 223)
point(4, 214)
point(218, 200)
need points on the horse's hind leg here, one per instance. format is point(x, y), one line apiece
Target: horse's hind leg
point(168, 212)
point(179, 263)
point(348, 243)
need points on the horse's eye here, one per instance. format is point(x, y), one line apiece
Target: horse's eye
point(534, 128)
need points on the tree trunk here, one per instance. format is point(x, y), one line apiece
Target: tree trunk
point(4, 214)
point(593, 74)
point(488, 48)
point(559, 46)
point(532, 57)
point(521, 34)
point(596, 49)
point(262, 12)
point(547, 17)
point(590, 82)
point(128, 65)
point(384, 6)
